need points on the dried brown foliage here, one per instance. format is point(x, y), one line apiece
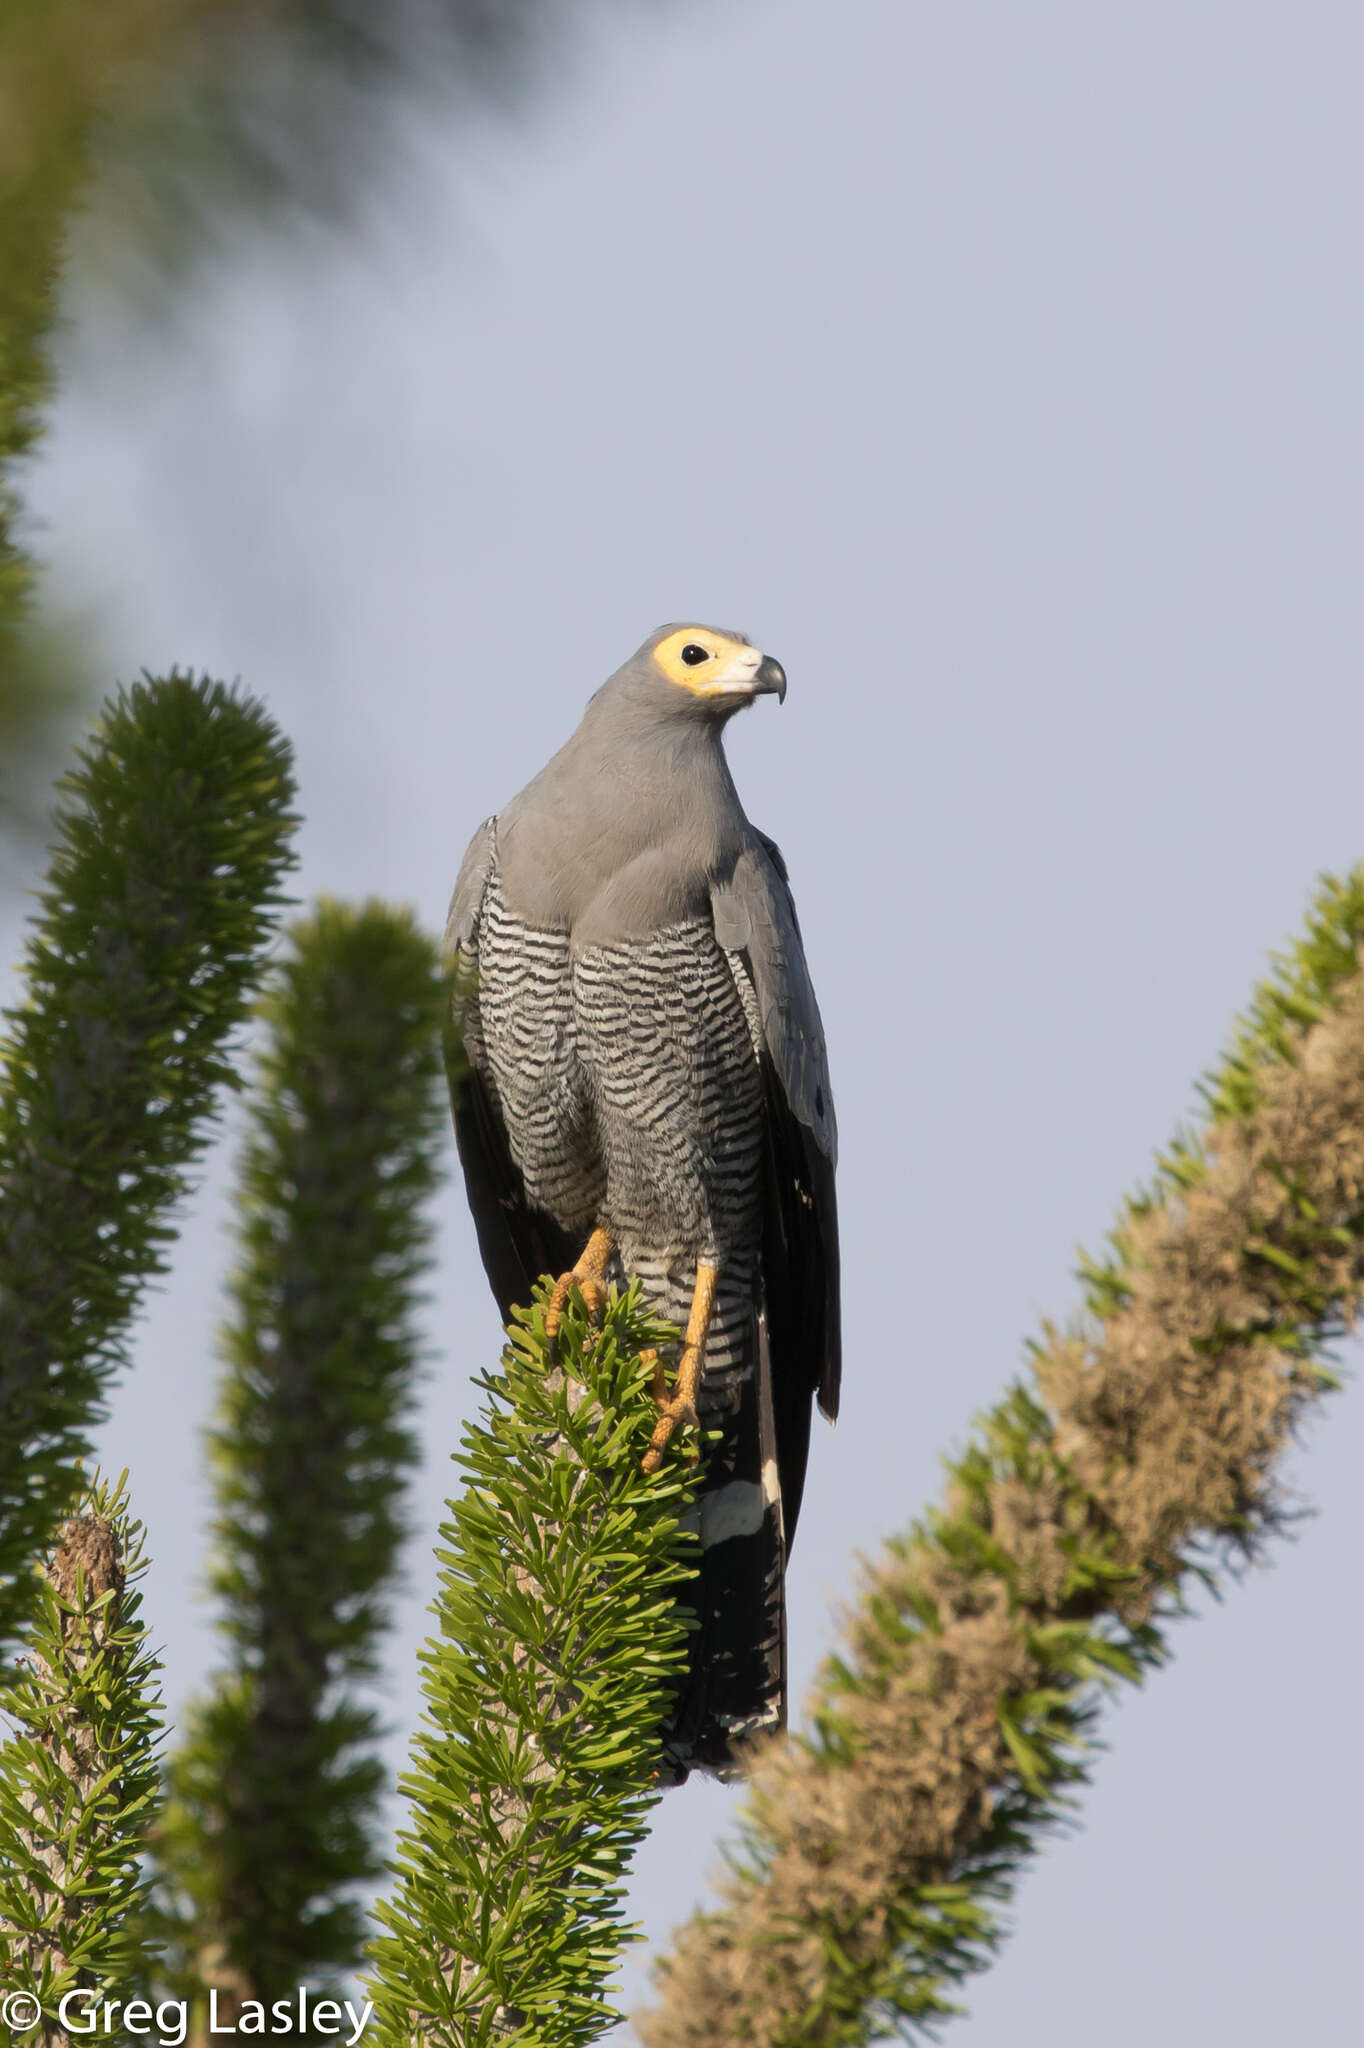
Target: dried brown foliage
point(1150, 1442)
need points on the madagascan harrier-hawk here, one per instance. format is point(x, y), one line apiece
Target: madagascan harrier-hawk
point(649, 1094)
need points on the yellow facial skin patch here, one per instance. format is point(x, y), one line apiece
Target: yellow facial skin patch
point(709, 664)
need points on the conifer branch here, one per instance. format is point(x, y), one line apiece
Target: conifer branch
point(40, 184)
point(78, 1774)
point(944, 1738)
point(33, 216)
point(274, 1817)
point(172, 840)
point(560, 1645)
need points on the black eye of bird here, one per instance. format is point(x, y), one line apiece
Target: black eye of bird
point(692, 654)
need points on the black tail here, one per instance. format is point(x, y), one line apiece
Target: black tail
point(735, 1684)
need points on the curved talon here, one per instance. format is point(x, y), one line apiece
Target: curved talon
point(672, 1413)
point(589, 1277)
point(592, 1292)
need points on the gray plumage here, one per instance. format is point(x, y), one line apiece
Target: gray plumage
point(646, 1056)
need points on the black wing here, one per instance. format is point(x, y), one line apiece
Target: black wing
point(517, 1243)
point(756, 918)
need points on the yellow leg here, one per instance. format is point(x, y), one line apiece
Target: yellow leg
point(589, 1277)
point(682, 1407)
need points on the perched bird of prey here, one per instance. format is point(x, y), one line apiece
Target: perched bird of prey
point(649, 1095)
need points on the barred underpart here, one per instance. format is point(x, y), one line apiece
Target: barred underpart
point(628, 1081)
point(663, 1030)
point(521, 1035)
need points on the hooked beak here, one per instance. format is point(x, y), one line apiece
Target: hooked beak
point(770, 680)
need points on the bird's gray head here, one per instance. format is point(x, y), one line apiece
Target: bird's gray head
point(696, 672)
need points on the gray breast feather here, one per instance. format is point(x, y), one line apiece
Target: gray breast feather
point(754, 915)
point(461, 926)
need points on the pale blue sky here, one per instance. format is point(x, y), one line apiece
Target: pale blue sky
point(999, 370)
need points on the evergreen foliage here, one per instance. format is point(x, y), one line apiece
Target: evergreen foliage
point(33, 216)
point(272, 1823)
point(78, 1772)
point(199, 108)
point(30, 249)
point(560, 1644)
point(172, 839)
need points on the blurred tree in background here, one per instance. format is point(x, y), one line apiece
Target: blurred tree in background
point(177, 119)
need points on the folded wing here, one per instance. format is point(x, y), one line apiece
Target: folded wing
point(517, 1242)
point(755, 918)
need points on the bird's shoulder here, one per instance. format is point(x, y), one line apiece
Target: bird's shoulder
point(754, 912)
point(750, 893)
point(471, 884)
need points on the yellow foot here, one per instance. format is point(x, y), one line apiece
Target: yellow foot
point(680, 1411)
point(589, 1277)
